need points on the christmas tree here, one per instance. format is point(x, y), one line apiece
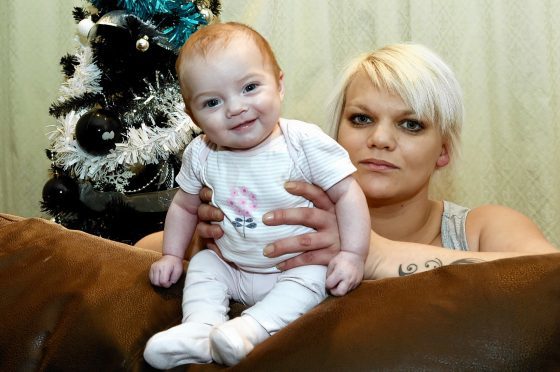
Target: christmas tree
point(120, 126)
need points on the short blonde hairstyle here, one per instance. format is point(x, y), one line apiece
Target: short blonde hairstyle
point(218, 35)
point(419, 77)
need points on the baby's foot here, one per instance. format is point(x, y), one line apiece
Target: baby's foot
point(183, 344)
point(233, 340)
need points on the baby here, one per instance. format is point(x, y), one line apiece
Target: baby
point(233, 89)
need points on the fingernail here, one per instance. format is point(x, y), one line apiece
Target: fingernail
point(268, 250)
point(289, 185)
point(267, 217)
point(214, 233)
point(280, 265)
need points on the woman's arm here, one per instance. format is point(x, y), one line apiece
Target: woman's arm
point(389, 258)
point(495, 228)
point(386, 258)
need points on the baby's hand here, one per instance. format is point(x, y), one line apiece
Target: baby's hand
point(166, 271)
point(345, 272)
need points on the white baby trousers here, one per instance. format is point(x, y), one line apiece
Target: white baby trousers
point(276, 299)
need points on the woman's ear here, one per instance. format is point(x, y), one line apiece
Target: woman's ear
point(443, 158)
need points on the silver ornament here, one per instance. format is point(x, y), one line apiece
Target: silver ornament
point(84, 26)
point(207, 14)
point(143, 44)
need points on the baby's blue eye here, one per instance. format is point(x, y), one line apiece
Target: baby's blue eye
point(250, 87)
point(212, 102)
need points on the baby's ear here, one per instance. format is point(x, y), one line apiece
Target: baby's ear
point(281, 84)
point(187, 108)
point(189, 112)
point(443, 158)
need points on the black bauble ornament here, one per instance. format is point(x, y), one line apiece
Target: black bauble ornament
point(61, 191)
point(98, 131)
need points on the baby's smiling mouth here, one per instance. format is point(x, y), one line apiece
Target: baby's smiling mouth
point(244, 125)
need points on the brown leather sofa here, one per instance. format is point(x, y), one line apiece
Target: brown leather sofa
point(70, 301)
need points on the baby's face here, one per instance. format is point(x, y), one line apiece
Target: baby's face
point(233, 94)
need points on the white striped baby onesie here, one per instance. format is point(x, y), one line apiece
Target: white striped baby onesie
point(247, 184)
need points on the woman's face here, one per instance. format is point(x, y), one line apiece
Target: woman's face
point(394, 152)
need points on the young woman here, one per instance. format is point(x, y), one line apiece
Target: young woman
point(399, 113)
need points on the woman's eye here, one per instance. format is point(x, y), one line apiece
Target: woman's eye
point(213, 102)
point(250, 87)
point(360, 119)
point(412, 125)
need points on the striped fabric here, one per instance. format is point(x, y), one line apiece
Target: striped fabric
point(248, 184)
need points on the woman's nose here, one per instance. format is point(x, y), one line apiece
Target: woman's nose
point(381, 136)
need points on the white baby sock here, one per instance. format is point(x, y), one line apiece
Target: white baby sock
point(233, 340)
point(183, 344)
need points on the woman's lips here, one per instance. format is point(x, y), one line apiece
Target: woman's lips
point(378, 165)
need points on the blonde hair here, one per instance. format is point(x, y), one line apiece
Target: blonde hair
point(218, 35)
point(419, 77)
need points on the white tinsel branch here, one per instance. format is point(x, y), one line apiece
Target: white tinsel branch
point(86, 76)
point(145, 145)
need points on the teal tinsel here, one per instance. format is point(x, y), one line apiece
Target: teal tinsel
point(188, 20)
point(175, 19)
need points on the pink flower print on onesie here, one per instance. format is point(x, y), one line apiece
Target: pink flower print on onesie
point(243, 202)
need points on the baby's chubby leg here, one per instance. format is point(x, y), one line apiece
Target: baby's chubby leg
point(296, 291)
point(205, 304)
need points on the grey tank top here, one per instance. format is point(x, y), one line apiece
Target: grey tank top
point(453, 233)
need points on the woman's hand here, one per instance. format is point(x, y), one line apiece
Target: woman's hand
point(318, 247)
point(207, 214)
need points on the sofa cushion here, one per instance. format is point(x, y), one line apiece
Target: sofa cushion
point(74, 302)
point(71, 301)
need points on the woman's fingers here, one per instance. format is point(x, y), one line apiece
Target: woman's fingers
point(303, 243)
point(205, 194)
point(206, 215)
point(325, 235)
point(316, 257)
point(314, 218)
point(318, 247)
point(313, 193)
point(208, 231)
point(209, 213)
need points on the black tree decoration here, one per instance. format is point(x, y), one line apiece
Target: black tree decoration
point(121, 126)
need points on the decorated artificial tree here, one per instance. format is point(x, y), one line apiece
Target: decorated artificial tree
point(121, 126)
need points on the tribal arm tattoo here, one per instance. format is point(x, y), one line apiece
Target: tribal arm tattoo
point(433, 264)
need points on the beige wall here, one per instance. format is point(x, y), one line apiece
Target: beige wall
point(505, 52)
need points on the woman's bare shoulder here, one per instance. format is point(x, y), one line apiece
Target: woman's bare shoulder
point(494, 227)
